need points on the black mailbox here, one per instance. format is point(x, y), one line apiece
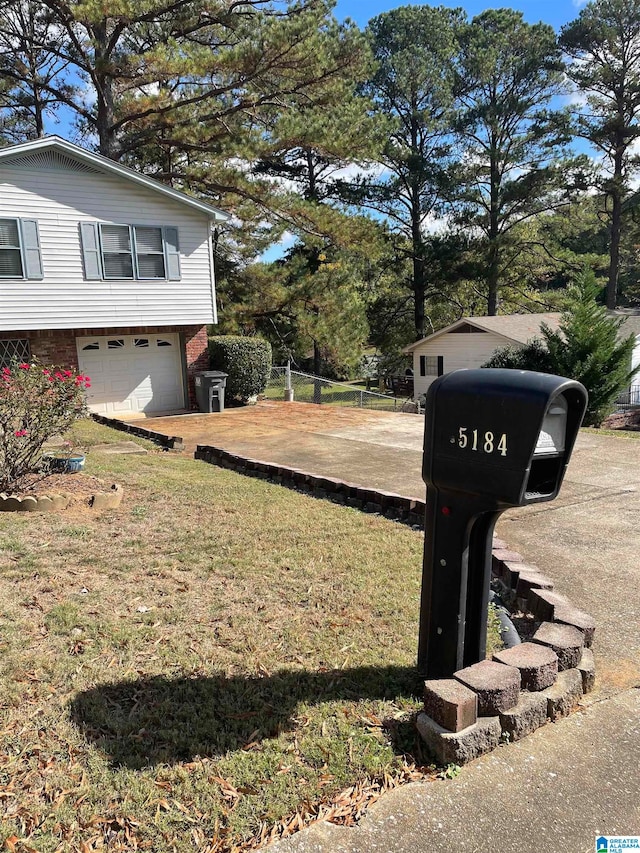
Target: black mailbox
point(494, 439)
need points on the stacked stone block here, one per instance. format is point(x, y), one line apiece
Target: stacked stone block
point(522, 687)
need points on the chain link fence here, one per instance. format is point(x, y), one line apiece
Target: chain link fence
point(314, 389)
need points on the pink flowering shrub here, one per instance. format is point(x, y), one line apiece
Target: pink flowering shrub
point(36, 403)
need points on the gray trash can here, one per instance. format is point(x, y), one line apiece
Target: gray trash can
point(210, 385)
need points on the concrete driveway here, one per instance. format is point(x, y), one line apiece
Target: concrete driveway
point(380, 449)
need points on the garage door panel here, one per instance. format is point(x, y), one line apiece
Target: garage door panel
point(132, 373)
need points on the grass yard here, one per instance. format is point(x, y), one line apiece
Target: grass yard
point(205, 668)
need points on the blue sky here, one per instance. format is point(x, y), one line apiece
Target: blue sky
point(554, 12)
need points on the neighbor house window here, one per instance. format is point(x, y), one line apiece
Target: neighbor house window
point(430, 365)
point(20, 255)
point(142, 252)
point(14, 349)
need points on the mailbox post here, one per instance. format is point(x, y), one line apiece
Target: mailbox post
point(494, 439)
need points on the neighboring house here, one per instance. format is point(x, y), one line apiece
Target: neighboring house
point(471, 342)
point(632, 327)
point(107, 271)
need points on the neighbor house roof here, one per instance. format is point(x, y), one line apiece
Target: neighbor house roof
point(15, 153)
point(515, 328)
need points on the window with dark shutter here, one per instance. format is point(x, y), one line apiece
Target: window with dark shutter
point(142, 252)
point(429, 365)
point(10, 254)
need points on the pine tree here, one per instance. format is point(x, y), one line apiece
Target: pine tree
point(31, 70)
point(414, 48)
point(512, 144)
point(588, 347)
point(604, 43)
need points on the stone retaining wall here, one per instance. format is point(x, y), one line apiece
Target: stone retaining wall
point(522, 688)
point(396, 507)
point(169, 442)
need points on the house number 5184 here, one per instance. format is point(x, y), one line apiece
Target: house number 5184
point(486, 442)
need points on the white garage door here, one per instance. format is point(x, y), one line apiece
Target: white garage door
point(132, 373)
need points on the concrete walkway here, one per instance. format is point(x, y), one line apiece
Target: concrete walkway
point(570, 781)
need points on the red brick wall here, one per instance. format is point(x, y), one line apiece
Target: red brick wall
point(196, 346)
point(58, 346)
point(59, 349)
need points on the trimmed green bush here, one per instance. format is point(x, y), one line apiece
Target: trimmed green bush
point(246, 360)
point(532, 356)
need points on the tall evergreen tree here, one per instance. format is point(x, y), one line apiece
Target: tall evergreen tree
point(30, 68)
point(414, 47)
point(194, 92)
point(604, 44)
point(307, 144)
point(508, 72)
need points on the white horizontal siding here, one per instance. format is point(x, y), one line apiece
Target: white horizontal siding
point(458, 350)
point(60, 200)
point(635, 361)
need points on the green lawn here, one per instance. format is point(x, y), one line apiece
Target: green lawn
point(203, 667)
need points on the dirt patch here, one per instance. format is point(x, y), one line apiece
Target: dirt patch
point(79, 486)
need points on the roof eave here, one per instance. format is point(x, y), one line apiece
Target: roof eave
point(452, 328)
point(56, 142)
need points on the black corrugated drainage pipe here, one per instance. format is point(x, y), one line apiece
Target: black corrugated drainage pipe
point(510, 636)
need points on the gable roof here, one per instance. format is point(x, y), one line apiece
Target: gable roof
point(96, 162)
point(517, 328)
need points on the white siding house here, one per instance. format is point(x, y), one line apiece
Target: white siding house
point(632, 327)
point(471, 342)
point(105, 270)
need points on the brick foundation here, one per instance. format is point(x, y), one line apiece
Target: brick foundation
point(58, 346)
point(196, 347)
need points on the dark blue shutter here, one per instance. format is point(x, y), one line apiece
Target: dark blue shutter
point(90, 251)
point(31, 249)
point(172, 253)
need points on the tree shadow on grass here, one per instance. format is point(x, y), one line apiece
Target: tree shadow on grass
point(163, 720)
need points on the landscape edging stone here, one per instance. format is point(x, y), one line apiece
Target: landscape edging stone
point(168, 442)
